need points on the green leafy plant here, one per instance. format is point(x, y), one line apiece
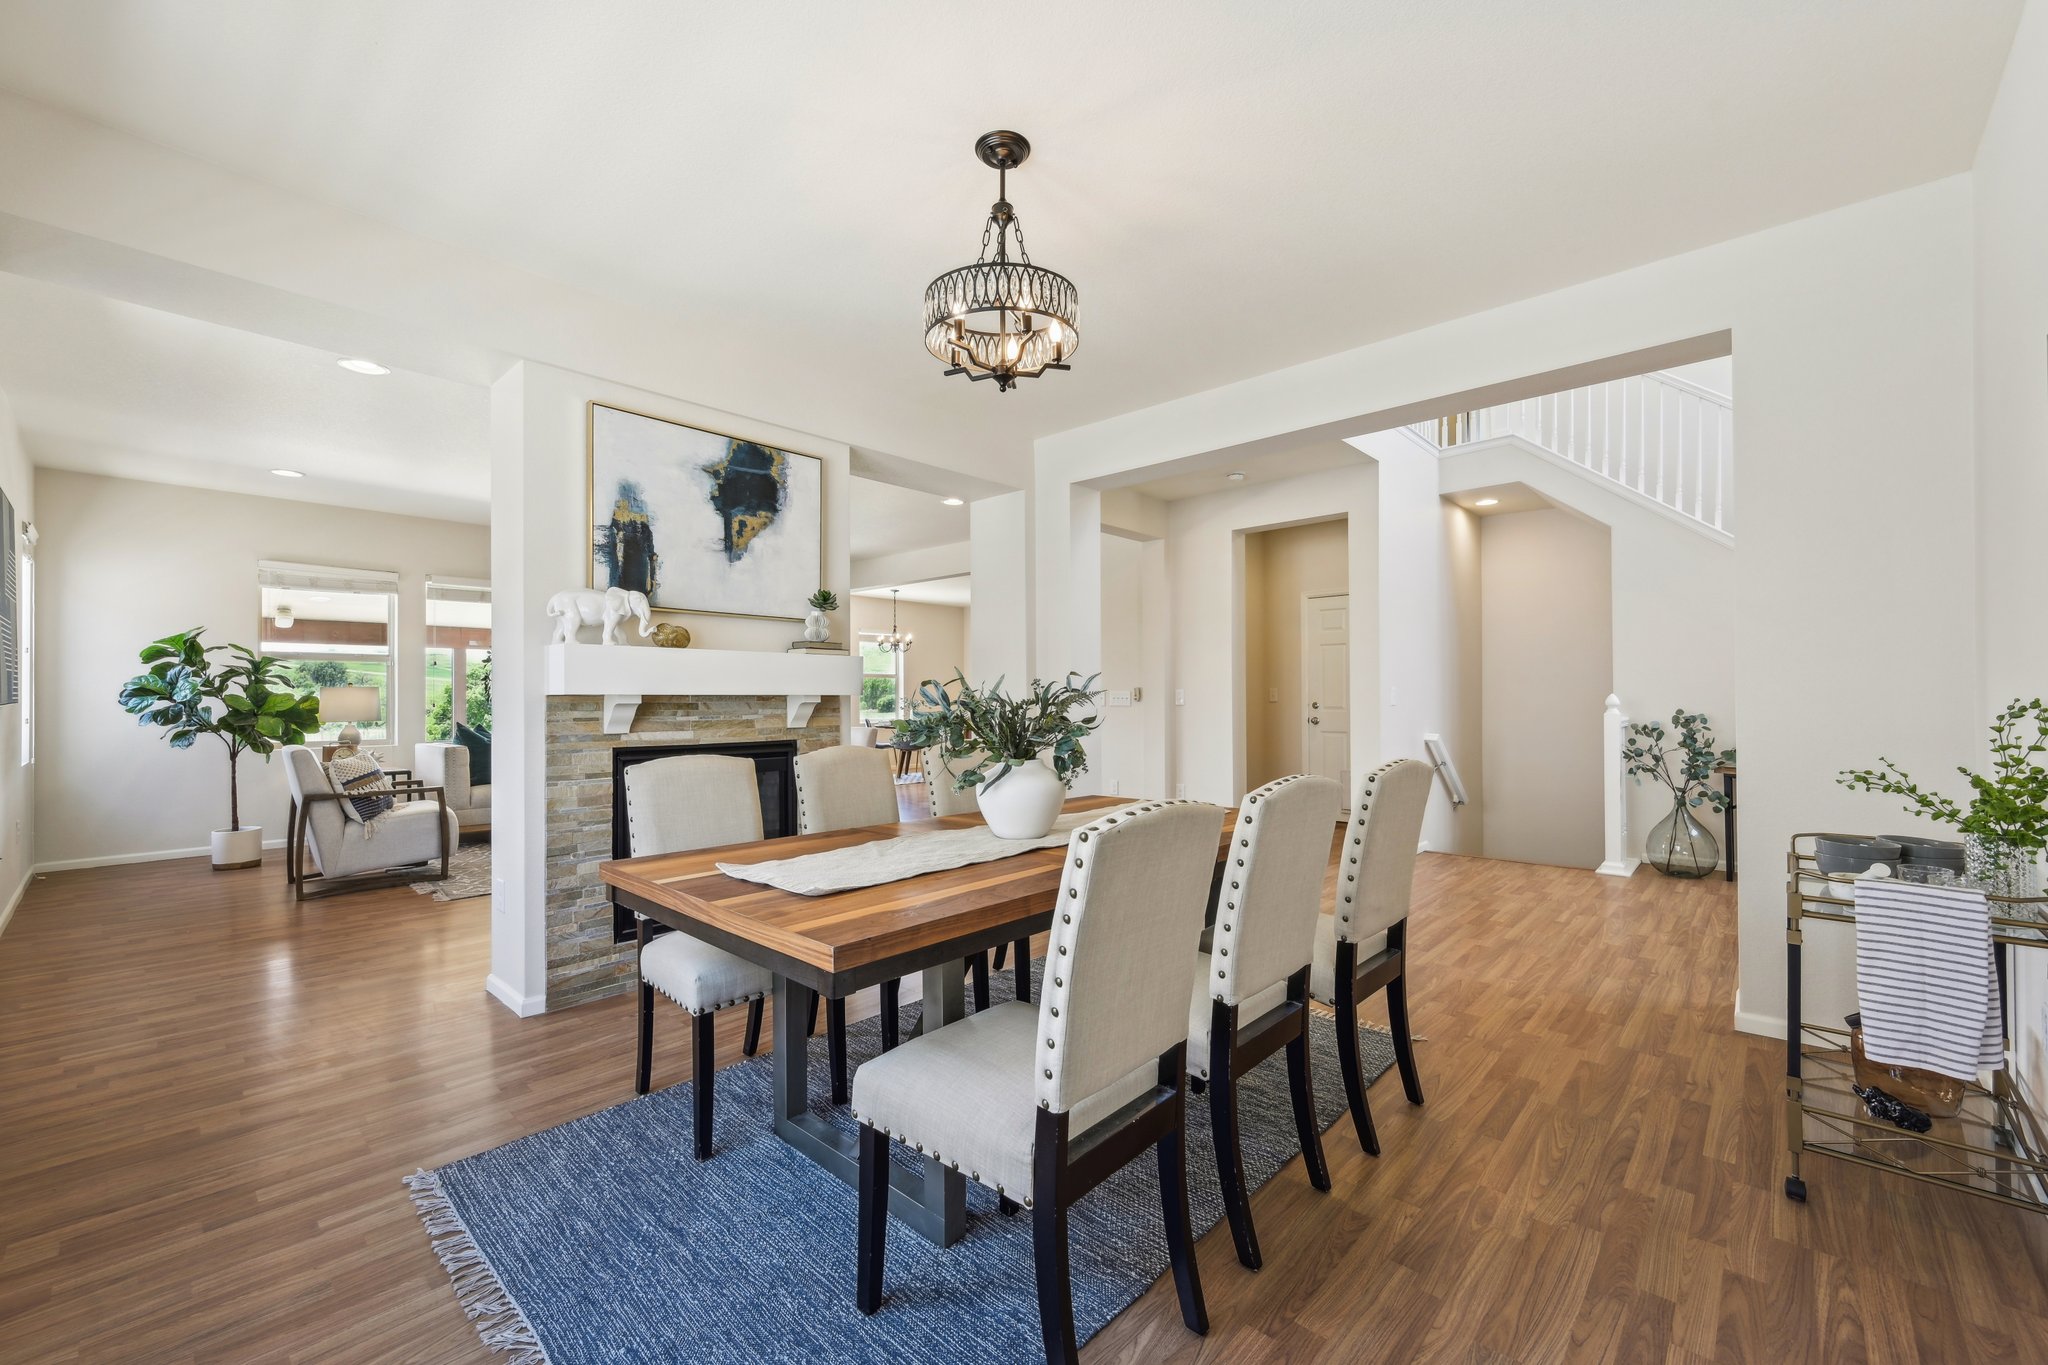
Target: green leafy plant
point(992, 732)
point(2010, 803)
point(248, 701)
point(1682, 758)
point(824, 599)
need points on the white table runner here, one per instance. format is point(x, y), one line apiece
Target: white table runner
point(895, 860)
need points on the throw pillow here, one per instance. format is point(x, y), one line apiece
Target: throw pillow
point(361, 779)
point(478, 742)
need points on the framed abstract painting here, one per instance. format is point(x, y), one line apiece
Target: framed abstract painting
point(699, 521)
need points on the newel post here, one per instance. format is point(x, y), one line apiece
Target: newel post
point(1620, 862)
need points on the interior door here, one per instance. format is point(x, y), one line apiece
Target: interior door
point(1326, 687)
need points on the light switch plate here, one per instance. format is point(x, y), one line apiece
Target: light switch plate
point(1119, 698)
point(1180, 696)
point(1272, 694)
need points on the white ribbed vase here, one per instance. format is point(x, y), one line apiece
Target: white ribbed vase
point(1023, 803)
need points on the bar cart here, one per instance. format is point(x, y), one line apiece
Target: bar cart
point(1993, 1147)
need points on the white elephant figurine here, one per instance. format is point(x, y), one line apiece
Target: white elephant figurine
point(607, 607)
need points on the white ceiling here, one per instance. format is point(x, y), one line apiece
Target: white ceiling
point(1233, 187)
point(886, 518)
point(114, 388)
point(957, 591)
point(1315, 457)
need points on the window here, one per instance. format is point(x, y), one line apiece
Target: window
point(458, 666)
point(335, 627)
point(27, 569)
point(881, 682)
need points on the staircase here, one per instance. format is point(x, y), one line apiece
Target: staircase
point(1659, 438)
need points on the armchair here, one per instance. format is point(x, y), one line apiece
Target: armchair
point(447, 766)
point(398, 848)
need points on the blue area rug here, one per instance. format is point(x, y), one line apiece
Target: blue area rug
point(605, 1240)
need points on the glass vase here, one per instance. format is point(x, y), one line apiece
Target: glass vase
point(1678, 846)
point(1999, 867)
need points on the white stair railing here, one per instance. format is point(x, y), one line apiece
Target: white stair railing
point(1660, 436)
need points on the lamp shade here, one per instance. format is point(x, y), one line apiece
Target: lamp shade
point(350, 704)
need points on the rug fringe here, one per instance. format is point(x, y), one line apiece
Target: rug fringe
point(485, 1300)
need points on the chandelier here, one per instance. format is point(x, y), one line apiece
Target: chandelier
point(1001, 318)
point(896, 642)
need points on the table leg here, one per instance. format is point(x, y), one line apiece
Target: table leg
point(934, 1201)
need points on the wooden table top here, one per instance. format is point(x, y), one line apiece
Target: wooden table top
point(848, 939)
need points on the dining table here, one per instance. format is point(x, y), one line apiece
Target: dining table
point(845, 941)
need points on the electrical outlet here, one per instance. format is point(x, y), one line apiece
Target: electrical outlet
point(1116, 786)
point(1180, 791)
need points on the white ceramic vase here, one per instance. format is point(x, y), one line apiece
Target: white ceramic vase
point(233, 848)
point(1024, 803)
point(817, 626)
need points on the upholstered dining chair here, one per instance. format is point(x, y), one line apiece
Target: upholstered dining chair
point(1251, 989)
point(845, 787)
point(674, 804)
point(1363, 947)
point(1045, 1102)
point(938, 787)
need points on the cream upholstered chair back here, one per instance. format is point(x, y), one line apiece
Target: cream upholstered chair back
point(844, 788)
point(691, 801)
point(861, 736)
point(938, 783)
point(1273, 886)
point(1377, 877)
point(1131, 897)
point(325, 823)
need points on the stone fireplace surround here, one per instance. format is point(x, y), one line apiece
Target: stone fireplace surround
point(583, 961)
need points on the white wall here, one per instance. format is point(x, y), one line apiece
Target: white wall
point(1854, 331)
point(999, 534)
point(540, 544)
point(18, 819)
point(151, 559)
point(1547, 651)
point(2011, 219)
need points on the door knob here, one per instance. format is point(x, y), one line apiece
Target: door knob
point(1315, 706)
point(1315, 720)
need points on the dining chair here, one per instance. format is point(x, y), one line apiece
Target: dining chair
point(675, 804)
point(1251, 990)
point(1043, 1103)
point(938, 787)
point(846, 787)
point(1363, 947)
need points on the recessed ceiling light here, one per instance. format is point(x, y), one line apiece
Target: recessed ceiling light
point(1486, 502)
point(953, 502)
point(288, 473)
point(1235, 476)
point(358, 366)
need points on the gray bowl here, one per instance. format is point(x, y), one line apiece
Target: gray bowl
point(1854, 852)
point(1925, 852)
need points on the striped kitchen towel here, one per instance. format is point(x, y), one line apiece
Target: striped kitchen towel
point(1925, 980)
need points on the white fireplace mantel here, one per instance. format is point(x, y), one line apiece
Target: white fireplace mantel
point(624, 674)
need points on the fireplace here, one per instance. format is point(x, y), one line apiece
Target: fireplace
point(774, 773)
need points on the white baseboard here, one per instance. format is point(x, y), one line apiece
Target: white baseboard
point(525, 1006)
point(1625, 868)
point(15, 900)
point(119, 859)
point(1758, 1025)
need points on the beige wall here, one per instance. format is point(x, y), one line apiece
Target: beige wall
point(18, 822)
point(122, 563)
point(1280, 568)
point(1465, 705)
point(941, 643)
point(1547, 661)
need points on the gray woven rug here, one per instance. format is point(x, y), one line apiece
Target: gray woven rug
point(469, 875)
point(604, 1240)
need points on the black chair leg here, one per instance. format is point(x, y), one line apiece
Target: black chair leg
point(1354, 1080)
point(892, 1004)
point(873, 1186)
point(1055, 1291)
point(1002, 951)
point(644, 1066)
point(1180, 1234)
point(978, 965)
point(811, 1029)
point(752, 1042)
point(1023, 970)
point(835, 1047)
point(1404, 1043)
point(1223, 1128)
point(701, 1083)
point(1302, 1089)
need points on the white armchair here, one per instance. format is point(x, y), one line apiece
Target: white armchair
point(408, 843)
point(447, 766)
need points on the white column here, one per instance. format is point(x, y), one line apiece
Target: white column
point(1620, 862)
point(999, 564)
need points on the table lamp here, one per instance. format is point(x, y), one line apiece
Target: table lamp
point(348, 705)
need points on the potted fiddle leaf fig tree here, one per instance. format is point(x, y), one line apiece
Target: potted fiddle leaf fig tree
point(245, 700)
point(1019, 754)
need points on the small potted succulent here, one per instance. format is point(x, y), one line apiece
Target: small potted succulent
point(2005, 825)
point(817, 625)
point(1019, 755)
point(1683, 759)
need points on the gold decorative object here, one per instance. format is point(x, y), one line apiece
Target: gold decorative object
point(671, 637)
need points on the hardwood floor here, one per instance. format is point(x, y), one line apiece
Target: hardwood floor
point(210, 1094)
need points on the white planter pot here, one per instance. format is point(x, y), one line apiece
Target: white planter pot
point(233, 848)
point(1024, 803)
point(817, 626)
